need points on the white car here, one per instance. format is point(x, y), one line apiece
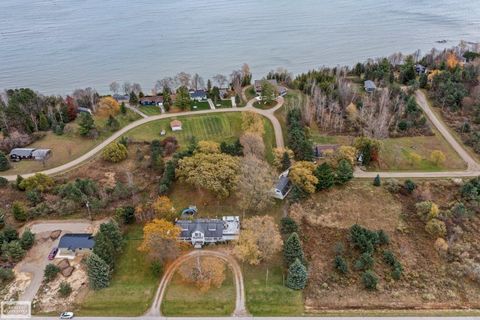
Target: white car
point(259, 98)
point(66, 315)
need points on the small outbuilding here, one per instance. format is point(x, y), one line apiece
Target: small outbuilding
point(176, 125)
point(370, 86)
point(72, 244)
point(283, 186)
point(41, 154)
point(18, 154)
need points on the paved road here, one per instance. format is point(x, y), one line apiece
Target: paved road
point(36, 259)
point(263, 318)
point(136, 110)
point(240, 309)
point(267, 113)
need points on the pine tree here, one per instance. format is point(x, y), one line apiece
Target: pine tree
point(325, 176)
point(133, 99)
point(377, 182)
point(286, 162)
point(293, 249)
point(27, 239)
point(344, 172)
point(98, 272)
point(113, 233)
point(167, 99)
point(43, 124)
point(123, 108)
point(297, 276)
point(4, 164)
point(86, 124)
point(104, 249)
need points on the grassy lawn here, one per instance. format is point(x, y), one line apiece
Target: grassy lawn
point(150, 110)
point(202, 105)
point(132, 287)
point(216, 127)
point(224, 104)
point(265, 106)
point(182, 299)
point(68, 146)
point(250, 93)
point(271, 298)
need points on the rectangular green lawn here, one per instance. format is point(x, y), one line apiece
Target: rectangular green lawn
point(150, 110)
point(202, 105)
point(182, 299)
point(132, 286)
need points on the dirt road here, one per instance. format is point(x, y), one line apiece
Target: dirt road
point(240, 309)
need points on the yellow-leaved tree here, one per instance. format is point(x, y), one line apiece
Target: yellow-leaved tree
point(252, 122)
point(203, 272)
point(278, 156)
point(302, 175)
point(216, 172)
point(163, 208)
point(208, 147)
point(344, 153)
point(437, 157)
point(160, 240)
point(107, 106)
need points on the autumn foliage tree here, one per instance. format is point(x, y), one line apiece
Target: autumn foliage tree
point(163, 208)
point(160, 240)
point(208, 147)
point(216, 172)
point(115, 152)
point(259, 241)
point(253, 123)
point(203, 272)
point(253, 145)
point(437, 157)
point(302, 175)
point(107, 107)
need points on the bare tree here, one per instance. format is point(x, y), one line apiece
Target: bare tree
point(236, 80)
point(114, 87)
point(167, 82)
point(183, 79)
point(127, 87)
point(136, 88)
point(220, 80)
point(253, 145)
point(197, 82)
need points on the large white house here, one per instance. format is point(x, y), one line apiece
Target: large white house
point(204, 231)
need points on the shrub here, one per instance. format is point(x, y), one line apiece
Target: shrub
point(2, 220)
point(288, 226)
point(344, 172)
point(410, 186)
point(370, 280)
point(365, 262)
point(363, 239)
point(393, 185)
point(51, 271)
point(19, 211)
point(34, 197)
point(65, 289)
point(436, 228)
point(39, 181)
point(341, 265)
point(297, 276)
point(128, 215)
point(389, 258)
point(396, 273)
point(383, 238)
point(115, 152)
point(3, 182)
point(339, 248)
point(157, 268)
point(402, 125)
point(4, 164)
point(27, 240)
point(377, 182)
point(6, 275)
point(14, 251)
point(10, 234)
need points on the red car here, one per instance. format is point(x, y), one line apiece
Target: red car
point(53, 253)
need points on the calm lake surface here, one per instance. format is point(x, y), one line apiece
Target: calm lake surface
point(55, 46)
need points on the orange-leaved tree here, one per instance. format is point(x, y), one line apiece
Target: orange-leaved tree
point(160, 240)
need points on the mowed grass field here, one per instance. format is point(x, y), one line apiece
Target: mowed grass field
point(132, 286)
point(270, 298)
point(183, 299)
point(150, 110)
point(68, 146)
point(215, 127)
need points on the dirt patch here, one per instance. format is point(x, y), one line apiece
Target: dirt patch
point(432, 279)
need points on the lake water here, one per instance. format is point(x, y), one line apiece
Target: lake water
point(56, 46)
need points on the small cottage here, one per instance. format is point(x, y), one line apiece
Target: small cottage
point(283, 186)
point(72, 244)
point(370, 86)
point(176, 125)
point(198, 95)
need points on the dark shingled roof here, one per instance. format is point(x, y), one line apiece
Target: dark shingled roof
point(211, 228)
point(198, 94)
point(283, 184)
point(73, 241)
point(22, 152)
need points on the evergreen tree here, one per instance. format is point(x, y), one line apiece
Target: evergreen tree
point(43, 124)
point(50, 272)
point(86, 124)
point(133, 99)
point(128, 215)
point(167, 99)
point(341, 264)
point(113, 123)
point(325, 176)
point(370, 280)
point(297, 276)
point(27, 239)
point(288, 226)
point(377, 182)
point(4, 164)
point(112, 231)
point(19, 211)
point(18, 183)
point(423, 81)
point(123, 108)
point(286, 162)
point(292, 249)
point(98, 272)
point(104, 249)
point(15, 252)
point(344, 172)
point(183, 98)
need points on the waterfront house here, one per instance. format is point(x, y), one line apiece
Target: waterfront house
point(72, 244)
point(258, 85)
point(151, 101)
point(198, 95)
point(200, 232)
point(370, 86)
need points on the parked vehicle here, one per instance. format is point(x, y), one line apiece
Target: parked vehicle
point(190, 211)
point(66, 315)
point(52, 253)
